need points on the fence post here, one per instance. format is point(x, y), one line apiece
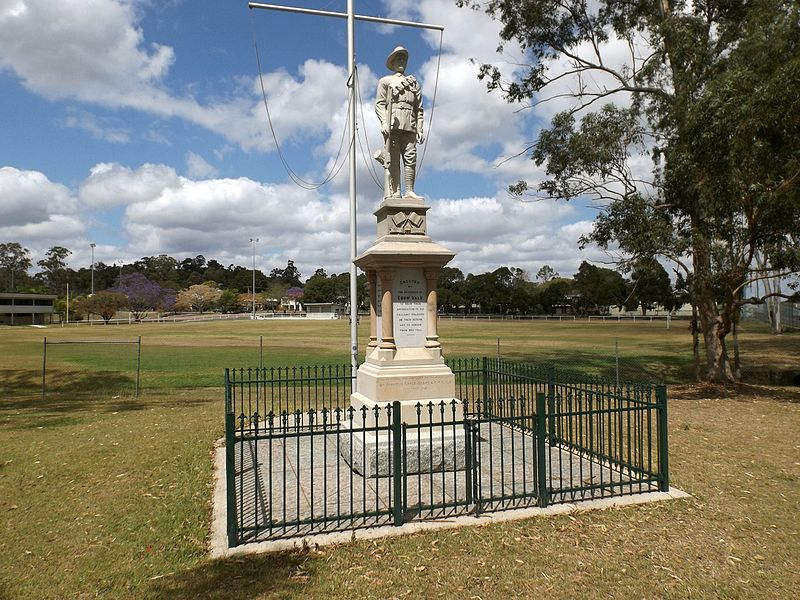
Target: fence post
point(138, 364)
point(485, 380)
point(44, 366)
point(397, 463)
point(541, 450)
point(551, 404)
point(663, 441)
point(468, 459)
point(230, 465)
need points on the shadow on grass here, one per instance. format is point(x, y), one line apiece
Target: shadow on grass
point(73, 392)
point(274, 575)
point(739, 391)
point(641, 369)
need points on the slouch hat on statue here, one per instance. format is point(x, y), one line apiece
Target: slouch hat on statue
point(394, 54)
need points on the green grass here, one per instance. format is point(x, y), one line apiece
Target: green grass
point(106, 496)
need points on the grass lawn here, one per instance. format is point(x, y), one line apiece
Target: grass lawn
point(106, 496)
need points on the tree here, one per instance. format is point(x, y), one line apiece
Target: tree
point(320, 288)
point(290, 275)
point(201, 297)
point(54, 268)
point(554, 293)
point(143, 295)
point(106, 304)
point(709, 92)
point(273, 294)
point(14, 261)
point(450, 289)
point(651, 284)
point(229, 301)
point(546, 273)
point(598, 288)
point(79, 308)
point(162, 269)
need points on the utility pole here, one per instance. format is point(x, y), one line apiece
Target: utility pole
point(351, 119)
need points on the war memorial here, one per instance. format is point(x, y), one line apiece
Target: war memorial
point(414, 436)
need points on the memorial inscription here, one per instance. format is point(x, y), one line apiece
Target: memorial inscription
point(409, 306)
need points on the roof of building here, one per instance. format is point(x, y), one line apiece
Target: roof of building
point(18, 296)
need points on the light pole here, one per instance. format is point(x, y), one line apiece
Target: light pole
point(254, 241)
point(93, 245)
point(120, 270)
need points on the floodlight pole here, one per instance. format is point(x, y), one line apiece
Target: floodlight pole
point(93, 245)
point(351, 120)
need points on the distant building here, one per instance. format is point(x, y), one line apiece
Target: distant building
point(324, 310)
point(291, 301)
point(26, 309)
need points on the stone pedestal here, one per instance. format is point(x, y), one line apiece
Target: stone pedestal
point(368, 453)
point(403, 360)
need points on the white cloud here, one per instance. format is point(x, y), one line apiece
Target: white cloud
point(197, 166)
point(94, 51)
point(35, 210)
point(99, 128)
point(111, 184)
point(89, 49)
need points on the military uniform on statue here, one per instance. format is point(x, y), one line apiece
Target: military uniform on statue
point(399, 108)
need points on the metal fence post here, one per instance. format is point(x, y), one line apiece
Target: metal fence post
point(138, 364)
point(541, 450)
point(397, 463)
point(485, 379)
point(230, 465)
point(468, 459)
point(44, 366)
point(663, 441)
point(551, 404)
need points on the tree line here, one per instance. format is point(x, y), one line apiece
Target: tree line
point(162, 283)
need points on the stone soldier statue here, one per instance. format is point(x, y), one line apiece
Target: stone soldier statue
point(399, 109)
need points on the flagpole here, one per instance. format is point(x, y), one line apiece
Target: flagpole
point(353, 206)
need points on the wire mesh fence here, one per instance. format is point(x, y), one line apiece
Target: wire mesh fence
point(76, 368)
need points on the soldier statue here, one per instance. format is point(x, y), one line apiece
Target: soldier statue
point(399, 109)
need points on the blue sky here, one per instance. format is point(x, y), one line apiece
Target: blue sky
point(139, 125)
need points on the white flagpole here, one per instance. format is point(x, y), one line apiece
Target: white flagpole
point(353, 206)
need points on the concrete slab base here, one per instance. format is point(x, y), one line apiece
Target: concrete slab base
point(219, 544)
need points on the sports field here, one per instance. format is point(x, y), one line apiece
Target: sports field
point(105, 495)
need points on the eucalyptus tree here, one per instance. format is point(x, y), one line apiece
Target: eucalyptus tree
point(14, 263)
point(683, 122)
point(54, 268)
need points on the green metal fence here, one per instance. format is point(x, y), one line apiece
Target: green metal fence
point(300, 460)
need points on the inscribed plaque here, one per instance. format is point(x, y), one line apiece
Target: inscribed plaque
point(409, 306)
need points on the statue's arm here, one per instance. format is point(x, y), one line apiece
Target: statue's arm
point(380, 102)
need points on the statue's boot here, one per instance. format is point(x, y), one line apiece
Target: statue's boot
point(409, 177)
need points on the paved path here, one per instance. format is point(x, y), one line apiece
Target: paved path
point(289, 486)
